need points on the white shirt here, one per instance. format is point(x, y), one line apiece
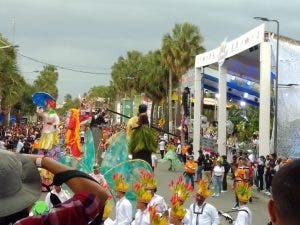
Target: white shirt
point(160, 203)
point(162, 144)
point(153, 160)
point(251, 157)
point(178, 149)
point(207, 215)
point(244, 218)
point(62, 195)
point(19, 146)
point(123, 212)
point(141, 218)
point(218, 170)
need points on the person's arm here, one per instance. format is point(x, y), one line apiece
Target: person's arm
point(77, 184)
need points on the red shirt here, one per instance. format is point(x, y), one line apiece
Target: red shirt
point(79, 210)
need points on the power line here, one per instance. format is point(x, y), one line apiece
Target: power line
point(62, 67)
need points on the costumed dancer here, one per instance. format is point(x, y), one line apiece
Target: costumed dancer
point(149, 183)
point(96, 123)
point(142, 215)
point(202, 212)
point(99, 177)
point(143, 140)
point(182, 192)
point(49, 133)
point(123, 205)
point(72, 139)
point(133, 121)
point(244, 216)
point(171, 157)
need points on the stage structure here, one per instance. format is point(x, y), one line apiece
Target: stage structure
point(252, 57)
point(247, 57)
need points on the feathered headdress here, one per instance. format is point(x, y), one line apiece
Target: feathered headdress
point(181, 189)
point(142, 194)
point(147, 180)
point(120, 184)
point(157, 218)
point(203, 189)
point(177, 209)
point(243, 191)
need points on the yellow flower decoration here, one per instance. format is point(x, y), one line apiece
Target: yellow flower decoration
point(147, 180)
point(177, 209)
point(203, 189)
point(243, 191)
point(142, 194)
point(181, 189)
point(156, 218)
point(120, 184)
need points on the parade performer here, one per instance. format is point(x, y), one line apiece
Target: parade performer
point(99, 177)
point(133, 121)
point(243, 192)
point(142, 216)
point(181, 191)
point(49, 133)
point(200, 211)
point(149, 183)
point(171, 157)
point(72, 139)
point(143, 140)
point(123, 205)
point(177, 211)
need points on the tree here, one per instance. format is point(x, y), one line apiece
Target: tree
point(154, 80)
point(69, 103)
point(47, 80)
point(12, 84)
point(178, 53)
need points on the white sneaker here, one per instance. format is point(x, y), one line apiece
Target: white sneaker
point(223, 191)
point(217, 195)
point(213, 195)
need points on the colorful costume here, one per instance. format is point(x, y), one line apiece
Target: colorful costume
point(171, 157)
point(143, 140)
point(73, 133)
point(49, 133)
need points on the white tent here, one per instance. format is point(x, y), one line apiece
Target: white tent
point(251, 56)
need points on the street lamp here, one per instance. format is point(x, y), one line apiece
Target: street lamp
point(276, 79)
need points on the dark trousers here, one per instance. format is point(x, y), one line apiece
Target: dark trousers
point(268, 179)
point(190, 177)
point(162, 153)
point(224, 182)
point(260, 181)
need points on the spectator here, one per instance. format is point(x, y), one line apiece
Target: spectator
point(162, 145)
point(22, 188)
point(207, 169)
point(260, 173)
point(56, 197)
point(284, 206)
point(200, 161)
point(227, 167)
point(218, 174)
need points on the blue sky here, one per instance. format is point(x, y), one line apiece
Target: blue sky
point(91, 34)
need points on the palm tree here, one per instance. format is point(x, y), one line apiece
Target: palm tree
point(178, 53)
point(154, 80)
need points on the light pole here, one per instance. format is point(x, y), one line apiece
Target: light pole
point(276, 79)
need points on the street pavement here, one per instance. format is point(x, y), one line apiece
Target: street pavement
point(224, 203)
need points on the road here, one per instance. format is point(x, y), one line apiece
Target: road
point(225, 202)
